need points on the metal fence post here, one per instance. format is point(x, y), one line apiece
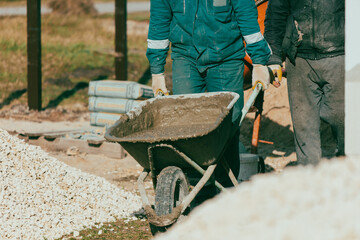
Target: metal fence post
point(120, 40)
point(34, 53)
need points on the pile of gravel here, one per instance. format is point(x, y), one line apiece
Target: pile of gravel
point(41, 197)
point(300, 203)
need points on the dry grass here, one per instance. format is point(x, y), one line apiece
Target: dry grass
point(13, 60)
point(70, 59)
point(70, 56)
point(120, 230)
point(67, 7)
point(10, 3)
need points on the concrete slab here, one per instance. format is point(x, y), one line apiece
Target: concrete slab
point(21, 126)
point(60, 136)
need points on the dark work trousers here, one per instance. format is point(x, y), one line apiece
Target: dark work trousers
point(316, 92)
point(227, 76)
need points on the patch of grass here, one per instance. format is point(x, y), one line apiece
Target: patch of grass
point(120, 230)
point(10, 46)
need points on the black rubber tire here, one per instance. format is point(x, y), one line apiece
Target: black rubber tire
point(171, 188)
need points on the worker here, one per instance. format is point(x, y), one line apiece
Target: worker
point(310, 35)
point(207, 46)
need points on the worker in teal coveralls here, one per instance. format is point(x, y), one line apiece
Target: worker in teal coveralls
point(207, 46)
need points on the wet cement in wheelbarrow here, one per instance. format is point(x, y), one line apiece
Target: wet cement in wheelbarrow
point(169, 132)
point(174, 118)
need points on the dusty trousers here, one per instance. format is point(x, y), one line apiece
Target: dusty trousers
point(316, 92)
point(227, 76)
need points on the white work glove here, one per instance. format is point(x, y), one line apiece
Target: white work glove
point(158, 84)
point(260, 74)
point(277, 74)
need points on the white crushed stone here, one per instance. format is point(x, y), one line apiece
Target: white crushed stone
point(41, 197)
point(301, 203)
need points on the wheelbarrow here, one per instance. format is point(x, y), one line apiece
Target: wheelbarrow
point(171, 134)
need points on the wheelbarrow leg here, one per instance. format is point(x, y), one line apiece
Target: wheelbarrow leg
point(230, 173)
point(152, 168)
point(204, 179)
point(141, 188)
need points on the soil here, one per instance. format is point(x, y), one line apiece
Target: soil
point(74, 113)
point(276, 130)
point(121, 172)
point(276, 127)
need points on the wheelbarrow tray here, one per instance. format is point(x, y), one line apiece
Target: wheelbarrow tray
point(198, 125)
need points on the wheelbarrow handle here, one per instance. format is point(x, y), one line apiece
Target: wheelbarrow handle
point(250, 101)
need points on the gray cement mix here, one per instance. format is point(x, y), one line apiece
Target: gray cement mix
point(174, 119)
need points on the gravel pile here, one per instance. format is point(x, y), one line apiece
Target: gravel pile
point(300, 203)
point(41, 197)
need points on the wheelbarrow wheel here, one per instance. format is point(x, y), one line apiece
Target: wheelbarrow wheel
point(171, 188)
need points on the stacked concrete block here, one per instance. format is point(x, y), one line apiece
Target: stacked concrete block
point(109, 99)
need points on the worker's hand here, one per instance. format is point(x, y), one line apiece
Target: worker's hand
point(158, 85)
point(260, 74)
point(277, 74)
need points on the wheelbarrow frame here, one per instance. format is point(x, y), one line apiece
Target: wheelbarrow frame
point(166, 220)
point(258, 97)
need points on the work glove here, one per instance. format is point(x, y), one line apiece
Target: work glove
point(277, 74)
point(158, 85)
point(260, 74)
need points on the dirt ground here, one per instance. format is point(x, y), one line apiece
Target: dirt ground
point(122, 172)
point(276, 130)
